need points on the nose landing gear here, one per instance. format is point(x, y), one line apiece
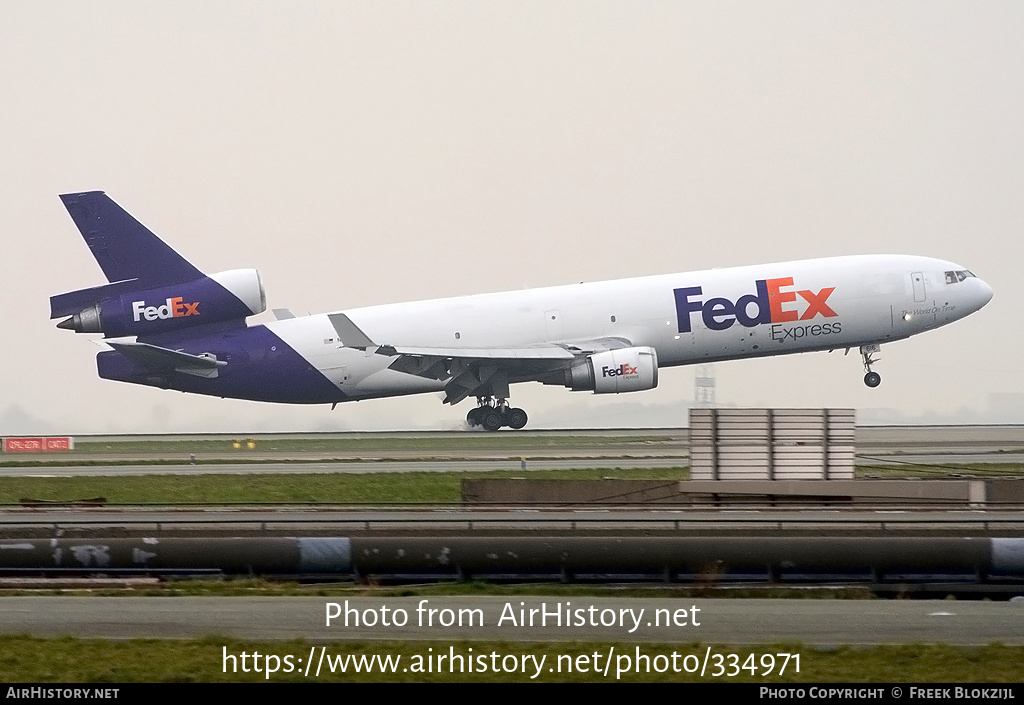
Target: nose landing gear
point(867, 353)
point(492, 414)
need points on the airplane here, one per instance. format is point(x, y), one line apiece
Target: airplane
point(169, 325)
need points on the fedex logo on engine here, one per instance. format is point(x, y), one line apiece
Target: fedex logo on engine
point(772, 303)
point(622, 370)
point(172, 308)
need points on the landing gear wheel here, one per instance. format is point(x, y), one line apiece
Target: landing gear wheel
point(491, 419)
point(515, 418)
point(492, 413)
point(867, 354)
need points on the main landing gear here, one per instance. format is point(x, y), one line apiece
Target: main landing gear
point(493, 413)
point(867, 353)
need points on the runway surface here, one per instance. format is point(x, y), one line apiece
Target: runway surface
point(924, 450)
point(715, 621)
point(353, 467)
point(920, 463)
point(920, 436)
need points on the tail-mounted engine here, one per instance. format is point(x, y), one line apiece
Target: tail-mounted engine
point(121, 309)
point(614, 371)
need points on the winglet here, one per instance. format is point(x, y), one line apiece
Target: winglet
point(349, 333)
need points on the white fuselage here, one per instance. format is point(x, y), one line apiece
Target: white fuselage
point(740, 312)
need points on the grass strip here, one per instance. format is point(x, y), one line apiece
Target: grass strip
point(373, 488)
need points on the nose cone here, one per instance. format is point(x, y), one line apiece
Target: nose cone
point(984, 293)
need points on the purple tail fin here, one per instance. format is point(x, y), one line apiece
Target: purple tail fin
point(124, 247)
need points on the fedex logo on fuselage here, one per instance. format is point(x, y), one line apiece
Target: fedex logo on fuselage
point(172, 308)
point(771, 303)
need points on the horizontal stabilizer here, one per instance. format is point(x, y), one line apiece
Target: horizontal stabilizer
point(282, 314)
point(156, 358)
point(123, 247)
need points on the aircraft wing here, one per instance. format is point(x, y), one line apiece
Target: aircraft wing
point(567, 350)
point(483, 371)
point(543, 352)
point(488, 371)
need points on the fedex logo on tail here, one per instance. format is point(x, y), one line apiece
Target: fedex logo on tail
point(172, 308)
point(771, 303)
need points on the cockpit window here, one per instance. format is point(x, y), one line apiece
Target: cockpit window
point(957, 276)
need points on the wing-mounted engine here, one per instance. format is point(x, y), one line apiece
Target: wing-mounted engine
point(614, 371)
point(125, 308)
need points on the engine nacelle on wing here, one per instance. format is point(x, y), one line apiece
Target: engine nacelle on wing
point(116, 310)
point(615, 371)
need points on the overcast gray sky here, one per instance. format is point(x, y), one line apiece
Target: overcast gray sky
point(372, 152)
